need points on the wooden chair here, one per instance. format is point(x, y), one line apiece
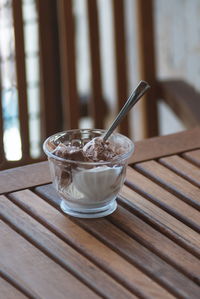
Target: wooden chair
point(61, 106)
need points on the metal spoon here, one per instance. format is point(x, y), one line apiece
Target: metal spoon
point(138, 92)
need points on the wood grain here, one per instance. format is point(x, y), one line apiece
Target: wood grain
point(50, 89)
point(162, 221)
point(147, 65)
point(134, 252)
point(193, 156)
point(68, 64)
point(96, 99)
point(21, 77)
point(142, 257)
point(163, 198)
point(157, 243)
point(120, 59)
point(24, 177)
point(38, 174)
point(183, 99)
point(106, 258)
point(10, 292)
point(174, 183)
point(61, 252)
point(41, 274)
point(183, 168)
point(161, 146)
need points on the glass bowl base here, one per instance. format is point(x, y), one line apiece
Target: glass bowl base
point(89, 213)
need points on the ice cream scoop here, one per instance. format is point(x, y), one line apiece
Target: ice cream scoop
point(99, 142)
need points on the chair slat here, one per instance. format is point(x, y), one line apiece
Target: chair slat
point(51, 114)
point(21, 77)
point(68, 67)
point(146, 58)
point(2, 154)
point(120, 59)
point(96, 103)
point(183, 99)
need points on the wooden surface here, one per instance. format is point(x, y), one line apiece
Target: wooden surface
point(96, 105)
point(21, 77)
point(70, 101)
point(120, 60)
point(183, 99)
point(148, 248)
point(50, 84)
point(147, 65)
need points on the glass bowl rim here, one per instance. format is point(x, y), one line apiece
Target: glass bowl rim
point(120, 158)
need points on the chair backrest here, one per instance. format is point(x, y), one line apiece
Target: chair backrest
point(59, 103)
point(68, 61)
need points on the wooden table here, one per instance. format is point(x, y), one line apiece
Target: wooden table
point(149, 247)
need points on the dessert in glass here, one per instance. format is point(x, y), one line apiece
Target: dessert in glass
point(88, 178)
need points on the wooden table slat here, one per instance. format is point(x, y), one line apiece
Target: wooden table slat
point(174, 183)
point(183, 168)
point(24, 177)
point(157, 242)
point(153, 265)
point(165, 223)
point(193, 156)
point(10, 292)
point(161, 146)
point(112, 263)
point(163, 198)
point(142, 258)
point(61, 252)
point(32, 264)
point(181, 233)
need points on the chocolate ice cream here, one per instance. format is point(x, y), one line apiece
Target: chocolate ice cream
point(95, 151)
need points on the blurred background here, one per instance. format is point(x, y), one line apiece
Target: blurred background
point(72, 63)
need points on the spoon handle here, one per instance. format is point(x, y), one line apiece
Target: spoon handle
point(138, 92)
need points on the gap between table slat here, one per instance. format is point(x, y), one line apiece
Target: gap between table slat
point(182, 168)
point(42, 272)
point(147, 270)
point(157, 242)
point(160, 220)
point(141, 257)
point(55, 248)
point(193, 157)
point(121, 270)
point(9, 289)
point(170, 181)
point(163, 198)
point(172, 227)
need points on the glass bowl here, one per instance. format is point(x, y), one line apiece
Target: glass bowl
point(87, 189)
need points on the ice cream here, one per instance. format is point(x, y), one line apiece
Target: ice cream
point(69, 152)
point(95, 150)
point(99, 150)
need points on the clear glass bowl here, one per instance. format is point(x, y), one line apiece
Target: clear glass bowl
point(87, 189)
